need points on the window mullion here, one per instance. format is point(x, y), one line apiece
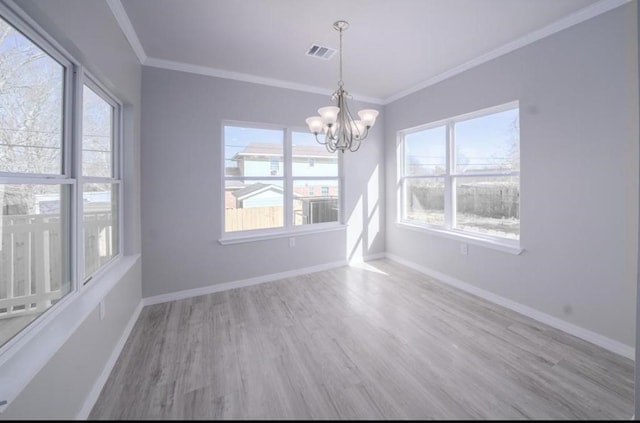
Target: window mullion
point(288, 180)
point(76, 162)
point(449, 187)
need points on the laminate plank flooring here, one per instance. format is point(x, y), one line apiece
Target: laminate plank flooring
point(376, 341)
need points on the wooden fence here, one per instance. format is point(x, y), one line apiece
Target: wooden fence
point(494, 200)
point(253, 218)
point(305, 211)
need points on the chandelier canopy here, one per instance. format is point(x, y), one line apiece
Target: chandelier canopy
point(340, 130)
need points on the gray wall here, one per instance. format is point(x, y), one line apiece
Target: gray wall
point(182, 116)
point(89, 32)
point(579, 139)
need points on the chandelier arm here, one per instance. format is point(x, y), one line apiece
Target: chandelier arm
point(345, 130)
point(365, 133)
point(319, 141)
point(351, 124)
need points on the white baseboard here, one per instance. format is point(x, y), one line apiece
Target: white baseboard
point(593, 337)
point(189, 293)
point(91, 399)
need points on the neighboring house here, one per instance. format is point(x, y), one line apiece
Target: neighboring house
point(263, 159)
point(258, 195)
point(260, 159)
point(315, 201)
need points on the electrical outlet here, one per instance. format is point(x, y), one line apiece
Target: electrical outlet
point(292, 242)
point(464, 249)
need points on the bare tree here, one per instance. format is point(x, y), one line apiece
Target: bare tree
point(31, 102)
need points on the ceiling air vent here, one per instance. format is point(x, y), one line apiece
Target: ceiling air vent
point(320, 52)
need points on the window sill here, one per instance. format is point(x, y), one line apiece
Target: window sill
point(229, 240)
point(29, 351)
point(506, 247)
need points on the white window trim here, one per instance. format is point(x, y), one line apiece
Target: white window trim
point(467, 237)
point(262, 235)
point(289, 229)
point(511, 246)
point(26, 353)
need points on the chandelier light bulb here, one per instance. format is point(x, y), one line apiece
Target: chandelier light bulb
point(315, 124)
point(329, 114)
point(368, 117)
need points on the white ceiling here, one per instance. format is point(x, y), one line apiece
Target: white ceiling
point(392, 47)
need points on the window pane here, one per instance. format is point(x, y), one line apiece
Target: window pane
point(315, 201)
point(34, 253)
point(97, 135)
point(424, 200)
point(253, 152)
point(253, 205)
point(31, 106)
point(489, 205)
point(425, 152)
point(100, 225)
point(311, 158)
point(488, 144)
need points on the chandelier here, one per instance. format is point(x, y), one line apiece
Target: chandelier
point(340, 130)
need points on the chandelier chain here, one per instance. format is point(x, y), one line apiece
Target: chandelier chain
point(340, 82)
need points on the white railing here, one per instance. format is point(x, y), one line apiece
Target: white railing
point(32, 261)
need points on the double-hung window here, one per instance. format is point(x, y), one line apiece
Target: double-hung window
point(59, 177)
point(100, 178)
point(462, 175)
point(277, 179)
point(36, 179)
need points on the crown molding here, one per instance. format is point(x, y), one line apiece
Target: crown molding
point(127, 28)
point(559, 25)
point(575, 18)
point(218, 73)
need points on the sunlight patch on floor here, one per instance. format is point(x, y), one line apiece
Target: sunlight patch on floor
point(368, 267)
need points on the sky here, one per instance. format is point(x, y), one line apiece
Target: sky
point(483, 142)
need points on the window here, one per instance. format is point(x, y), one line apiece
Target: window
point(463, 175)
point(35, 198)
point(269, 184)
point(321, 203)
point(100, 185)
point(40, 182)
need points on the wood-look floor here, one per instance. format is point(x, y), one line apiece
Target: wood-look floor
point(379, 341)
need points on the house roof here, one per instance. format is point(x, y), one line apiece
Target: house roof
point(254, 189)
point(275, 150)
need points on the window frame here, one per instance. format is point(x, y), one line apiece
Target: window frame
point(450, 176)
point(86, 79)
point(66, 176)
point(288, 228)
point(34, 344)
